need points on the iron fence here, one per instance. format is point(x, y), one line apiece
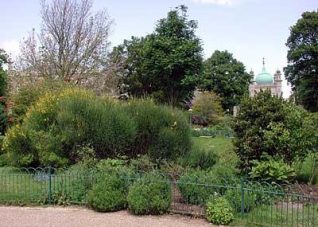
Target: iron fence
point(254, 204)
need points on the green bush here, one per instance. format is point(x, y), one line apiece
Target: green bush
point(234, 196)
point(150, 194)
point(29, 94)
point(203, 158)
point(272, 171)
point(269, 124)
point(207, 105)
point(108, 193)
point(162, 132)
point(58, 124)
point(219, 211)
point(197, 186)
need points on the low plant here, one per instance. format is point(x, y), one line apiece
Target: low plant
point(307, 169)
point(196, 186)
point(202, 158)
point(239, 201)
point(150, 194)
point(219, 211)
point(272, 171)
point(108, 194)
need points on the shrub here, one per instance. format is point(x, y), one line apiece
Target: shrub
point(272, 171)
point(163, 132)
point(108, 194)
point(202, 158)
point(268, 124)
point(28, 95)
point(197, 186)
point(207, 105)
point(150, 194)
point(58, 124)
point(219, 211)
point(234, 196)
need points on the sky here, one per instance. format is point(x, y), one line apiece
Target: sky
point(250, 29)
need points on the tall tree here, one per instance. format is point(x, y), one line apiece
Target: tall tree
point(227, 77)
point(4, 58)
point(72, 44)
point(165, 64)
point(302, 69)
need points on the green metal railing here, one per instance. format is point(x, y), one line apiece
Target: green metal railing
point(254, 204)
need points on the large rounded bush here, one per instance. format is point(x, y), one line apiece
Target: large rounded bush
point(150, 194)
point(108, 194)
point(219, 211)
point(58, 124)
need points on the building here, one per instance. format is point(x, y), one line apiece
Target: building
point(265, 80)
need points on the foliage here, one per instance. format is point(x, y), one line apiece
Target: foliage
point(108, 194)
point(202, 158)
point(142, 163)
point(307, 169)
point(165, 64)
point(58, 124)
point(29, 94)
point(302, 69)
point(222, 147)
point(197, 186)
point(219, 211)
point(150, 194)
point(3, 90)
point(272, 171)
point(234, 196)
point(162, 132)
point(269, 125)
point(226, 76)
point(207, 105)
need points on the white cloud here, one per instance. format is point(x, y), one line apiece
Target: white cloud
point(12, 47)
point(215, 2)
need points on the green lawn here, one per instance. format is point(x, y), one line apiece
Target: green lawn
point(223, 147)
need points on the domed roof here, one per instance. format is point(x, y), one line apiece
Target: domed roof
point(264, 77)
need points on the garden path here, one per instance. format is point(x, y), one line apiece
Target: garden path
point(81, 217)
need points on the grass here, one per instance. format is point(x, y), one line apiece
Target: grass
point(19, 187)
point(277, 215)
point(24, 187)
point(222, 147)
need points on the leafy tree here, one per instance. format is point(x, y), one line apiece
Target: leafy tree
point(226, 76)
point(268, 126)
point(72, 44)
point(165, 64)
point(302, 69)
point(207, 105)
point(3, 87)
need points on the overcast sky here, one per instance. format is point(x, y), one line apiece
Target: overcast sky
point(250, 29)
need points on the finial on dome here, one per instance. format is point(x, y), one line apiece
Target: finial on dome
point(263, 62)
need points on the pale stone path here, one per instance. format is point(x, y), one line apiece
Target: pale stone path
point(81, 217)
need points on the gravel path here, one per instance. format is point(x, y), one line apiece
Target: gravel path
point(82, 217)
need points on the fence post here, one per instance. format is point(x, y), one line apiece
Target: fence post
point(242, 197)
point(50, 186)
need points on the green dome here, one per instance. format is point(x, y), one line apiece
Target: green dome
point(264, 77)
